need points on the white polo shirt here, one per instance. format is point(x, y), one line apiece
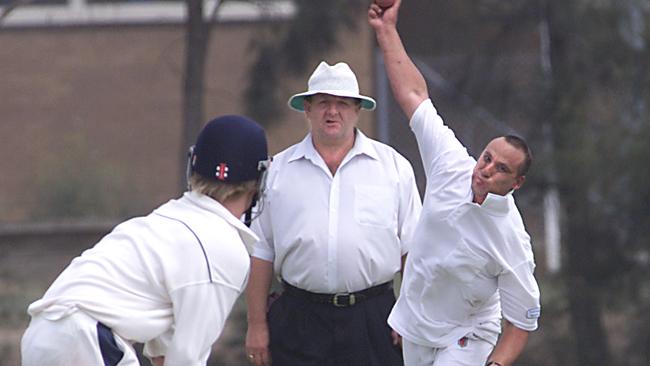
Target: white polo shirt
point(169, 279)
point(468, 263)
point(338, 233)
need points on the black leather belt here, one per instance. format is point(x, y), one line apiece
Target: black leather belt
point(340, 300)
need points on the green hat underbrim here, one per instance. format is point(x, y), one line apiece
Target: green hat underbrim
point(296, 102)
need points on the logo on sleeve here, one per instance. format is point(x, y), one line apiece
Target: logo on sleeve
point(533, 313)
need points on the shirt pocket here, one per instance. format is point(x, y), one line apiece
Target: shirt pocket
point(375, 205)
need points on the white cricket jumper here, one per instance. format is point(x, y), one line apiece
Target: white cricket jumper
point(168, 280)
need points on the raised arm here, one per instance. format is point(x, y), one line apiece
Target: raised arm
point(406, 81)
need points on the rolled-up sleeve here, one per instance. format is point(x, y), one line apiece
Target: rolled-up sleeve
point(519, 292)
point(410, 205)
point(263, 248)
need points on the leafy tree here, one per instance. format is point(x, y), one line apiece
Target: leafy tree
point(197, 38)
point(599, 98)
point(583, 105)
point(311, 33)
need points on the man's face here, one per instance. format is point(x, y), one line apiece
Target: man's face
point(497, 170)
point(332, 118)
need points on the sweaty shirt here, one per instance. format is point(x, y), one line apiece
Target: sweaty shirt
point(468, 263)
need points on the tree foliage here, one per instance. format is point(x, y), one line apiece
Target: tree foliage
point(573, 76)
point(582, 100)
point(601, 96)
point(311, 33)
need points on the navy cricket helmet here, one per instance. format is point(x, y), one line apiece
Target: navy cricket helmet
point(230, 149)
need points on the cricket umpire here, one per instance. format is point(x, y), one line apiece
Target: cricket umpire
point(168, 279)
point(471, 261)
point(339, 216)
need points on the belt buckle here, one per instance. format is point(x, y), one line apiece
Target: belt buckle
point(351, 300)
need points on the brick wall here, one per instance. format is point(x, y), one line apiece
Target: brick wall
point(98, 109)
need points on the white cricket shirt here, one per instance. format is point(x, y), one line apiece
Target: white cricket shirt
point(168, 279)
point(468, 263)
point(338, 233)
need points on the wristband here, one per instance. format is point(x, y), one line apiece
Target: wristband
point(493, 363)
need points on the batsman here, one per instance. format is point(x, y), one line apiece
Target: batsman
point(168, 279)
point(470, 268)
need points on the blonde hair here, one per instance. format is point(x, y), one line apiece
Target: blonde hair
point(220, 191)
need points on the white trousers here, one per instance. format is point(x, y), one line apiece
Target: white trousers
point(69, 341)
point(470, 351)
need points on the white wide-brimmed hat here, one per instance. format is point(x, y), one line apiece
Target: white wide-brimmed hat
point(336, 80)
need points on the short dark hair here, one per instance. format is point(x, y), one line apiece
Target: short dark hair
point(521, 145)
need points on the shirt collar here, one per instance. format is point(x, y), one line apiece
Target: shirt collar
point(362, 146)
point(496, 204)
point(213, 206)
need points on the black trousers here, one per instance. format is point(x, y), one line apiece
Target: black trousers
point(304, 333)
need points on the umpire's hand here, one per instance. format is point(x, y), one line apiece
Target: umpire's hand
point(257, 344)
